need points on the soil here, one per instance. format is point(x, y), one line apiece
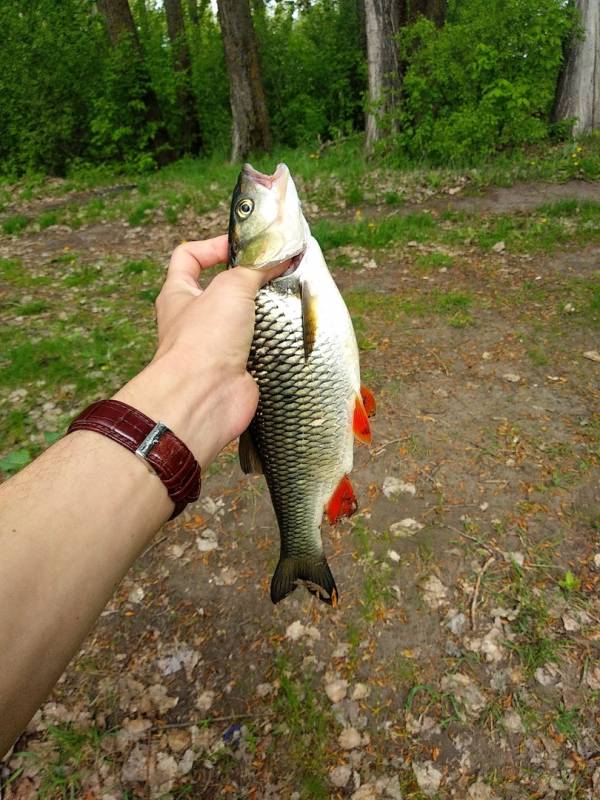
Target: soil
point(445, 706)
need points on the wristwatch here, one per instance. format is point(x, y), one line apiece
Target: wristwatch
point(163, 452)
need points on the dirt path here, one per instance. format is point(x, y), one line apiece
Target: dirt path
point(463, 661)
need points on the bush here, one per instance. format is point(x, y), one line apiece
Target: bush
point(484, 82)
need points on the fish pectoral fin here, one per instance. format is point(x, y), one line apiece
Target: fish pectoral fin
point(368, 399)
point(360, 421)
point(249, 458)
point(309, 318)
point(313, 573)
point(342, 502)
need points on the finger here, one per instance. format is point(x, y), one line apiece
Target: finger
point(189, 259)
point(255, 278)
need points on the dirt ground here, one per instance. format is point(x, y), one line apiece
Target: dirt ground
point(462, 660)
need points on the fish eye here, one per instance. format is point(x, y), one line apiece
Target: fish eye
point(244, 208)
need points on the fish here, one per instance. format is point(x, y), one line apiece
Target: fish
point(304, 359)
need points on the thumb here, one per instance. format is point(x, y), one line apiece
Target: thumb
point(256, 278)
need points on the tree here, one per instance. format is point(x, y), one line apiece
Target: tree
point(578, 94)
point(248, 104)
point(190, 136)
point(125, 40)
point(384, 19)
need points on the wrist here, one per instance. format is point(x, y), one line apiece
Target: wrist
point(186, 404)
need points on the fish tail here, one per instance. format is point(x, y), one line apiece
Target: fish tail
point(314, 573)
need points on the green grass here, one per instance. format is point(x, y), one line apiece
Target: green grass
point(47, 219)
point(428, 261)
point(309, 730)
point(34, 307)
point(417, 227)
point(15, 224)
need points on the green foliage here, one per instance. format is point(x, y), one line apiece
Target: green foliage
point(484, 82)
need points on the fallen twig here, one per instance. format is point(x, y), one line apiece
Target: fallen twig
point(480, 575)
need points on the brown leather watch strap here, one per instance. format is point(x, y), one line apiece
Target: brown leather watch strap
point(167, 455)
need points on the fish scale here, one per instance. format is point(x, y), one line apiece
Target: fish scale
point(301, 475)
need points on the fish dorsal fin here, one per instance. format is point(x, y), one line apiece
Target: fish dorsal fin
point(309, 318)
point(249, 458)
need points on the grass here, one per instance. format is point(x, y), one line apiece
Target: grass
point(307, 729)
point(15, 224)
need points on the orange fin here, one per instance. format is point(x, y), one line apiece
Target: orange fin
point(368, 399)
point(360, 422)
point(342, 502)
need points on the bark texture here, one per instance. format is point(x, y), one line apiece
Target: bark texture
point(191, 140)
point(119, 21)
point(578, 94)
point(382, 18)
point(248, 104)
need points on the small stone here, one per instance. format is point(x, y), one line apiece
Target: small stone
point(499, 247)
point(366, 792)
point(512, 377)
point(263, 689)
point(393, 556)
point(393, 486)
point(339, 776)
point(349, 739)
point(371, 264)
point(434, 591)
point(486, 356)
point(207, 541)
point(336, 690)
point(512, 722)
point(569, 308)
point(457, 623)
point(360, 691)
point(480, 791)
point(295, 631)
point(592, 355)
point(597, 561)
point(428, 777)
point(484, 506)
point(136, 595)
point(405, 528)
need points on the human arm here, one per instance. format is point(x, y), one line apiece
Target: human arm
point(73, 521)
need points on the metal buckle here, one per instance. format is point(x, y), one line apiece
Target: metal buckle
point(144, 449)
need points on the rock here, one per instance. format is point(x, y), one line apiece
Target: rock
point(465, 690)
point(336, 690)
point(207, 541)
point(349, 739)
point(393, 556)
point(136, 595)
point(597, 561)
point(263, 689)
point(296, 630)
point(592, 355)
point(512, 377)
point(434, 591)
point(512, 722)
point(393, 486)
point(499, 247)
point(428, 777)
point(457, 623)
point(405, 528)
point(480, 791)
point(366, 792)
point(569, 308)
point(339, 776)
point(361, 690)
point(389, 787)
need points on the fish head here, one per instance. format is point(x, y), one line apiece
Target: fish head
point(266, 224)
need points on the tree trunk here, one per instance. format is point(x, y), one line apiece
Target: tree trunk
point(122, 31)
point(191, 140)
point(382, 23)
point(248, 104)
point(578, 95)
point(119, 20)
point(435, 10)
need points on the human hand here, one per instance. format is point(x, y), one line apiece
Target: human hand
point(197, 382)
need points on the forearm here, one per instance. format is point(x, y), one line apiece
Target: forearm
point(73, 523)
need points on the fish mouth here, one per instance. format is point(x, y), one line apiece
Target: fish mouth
point(294, 264)
point(268, 181)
